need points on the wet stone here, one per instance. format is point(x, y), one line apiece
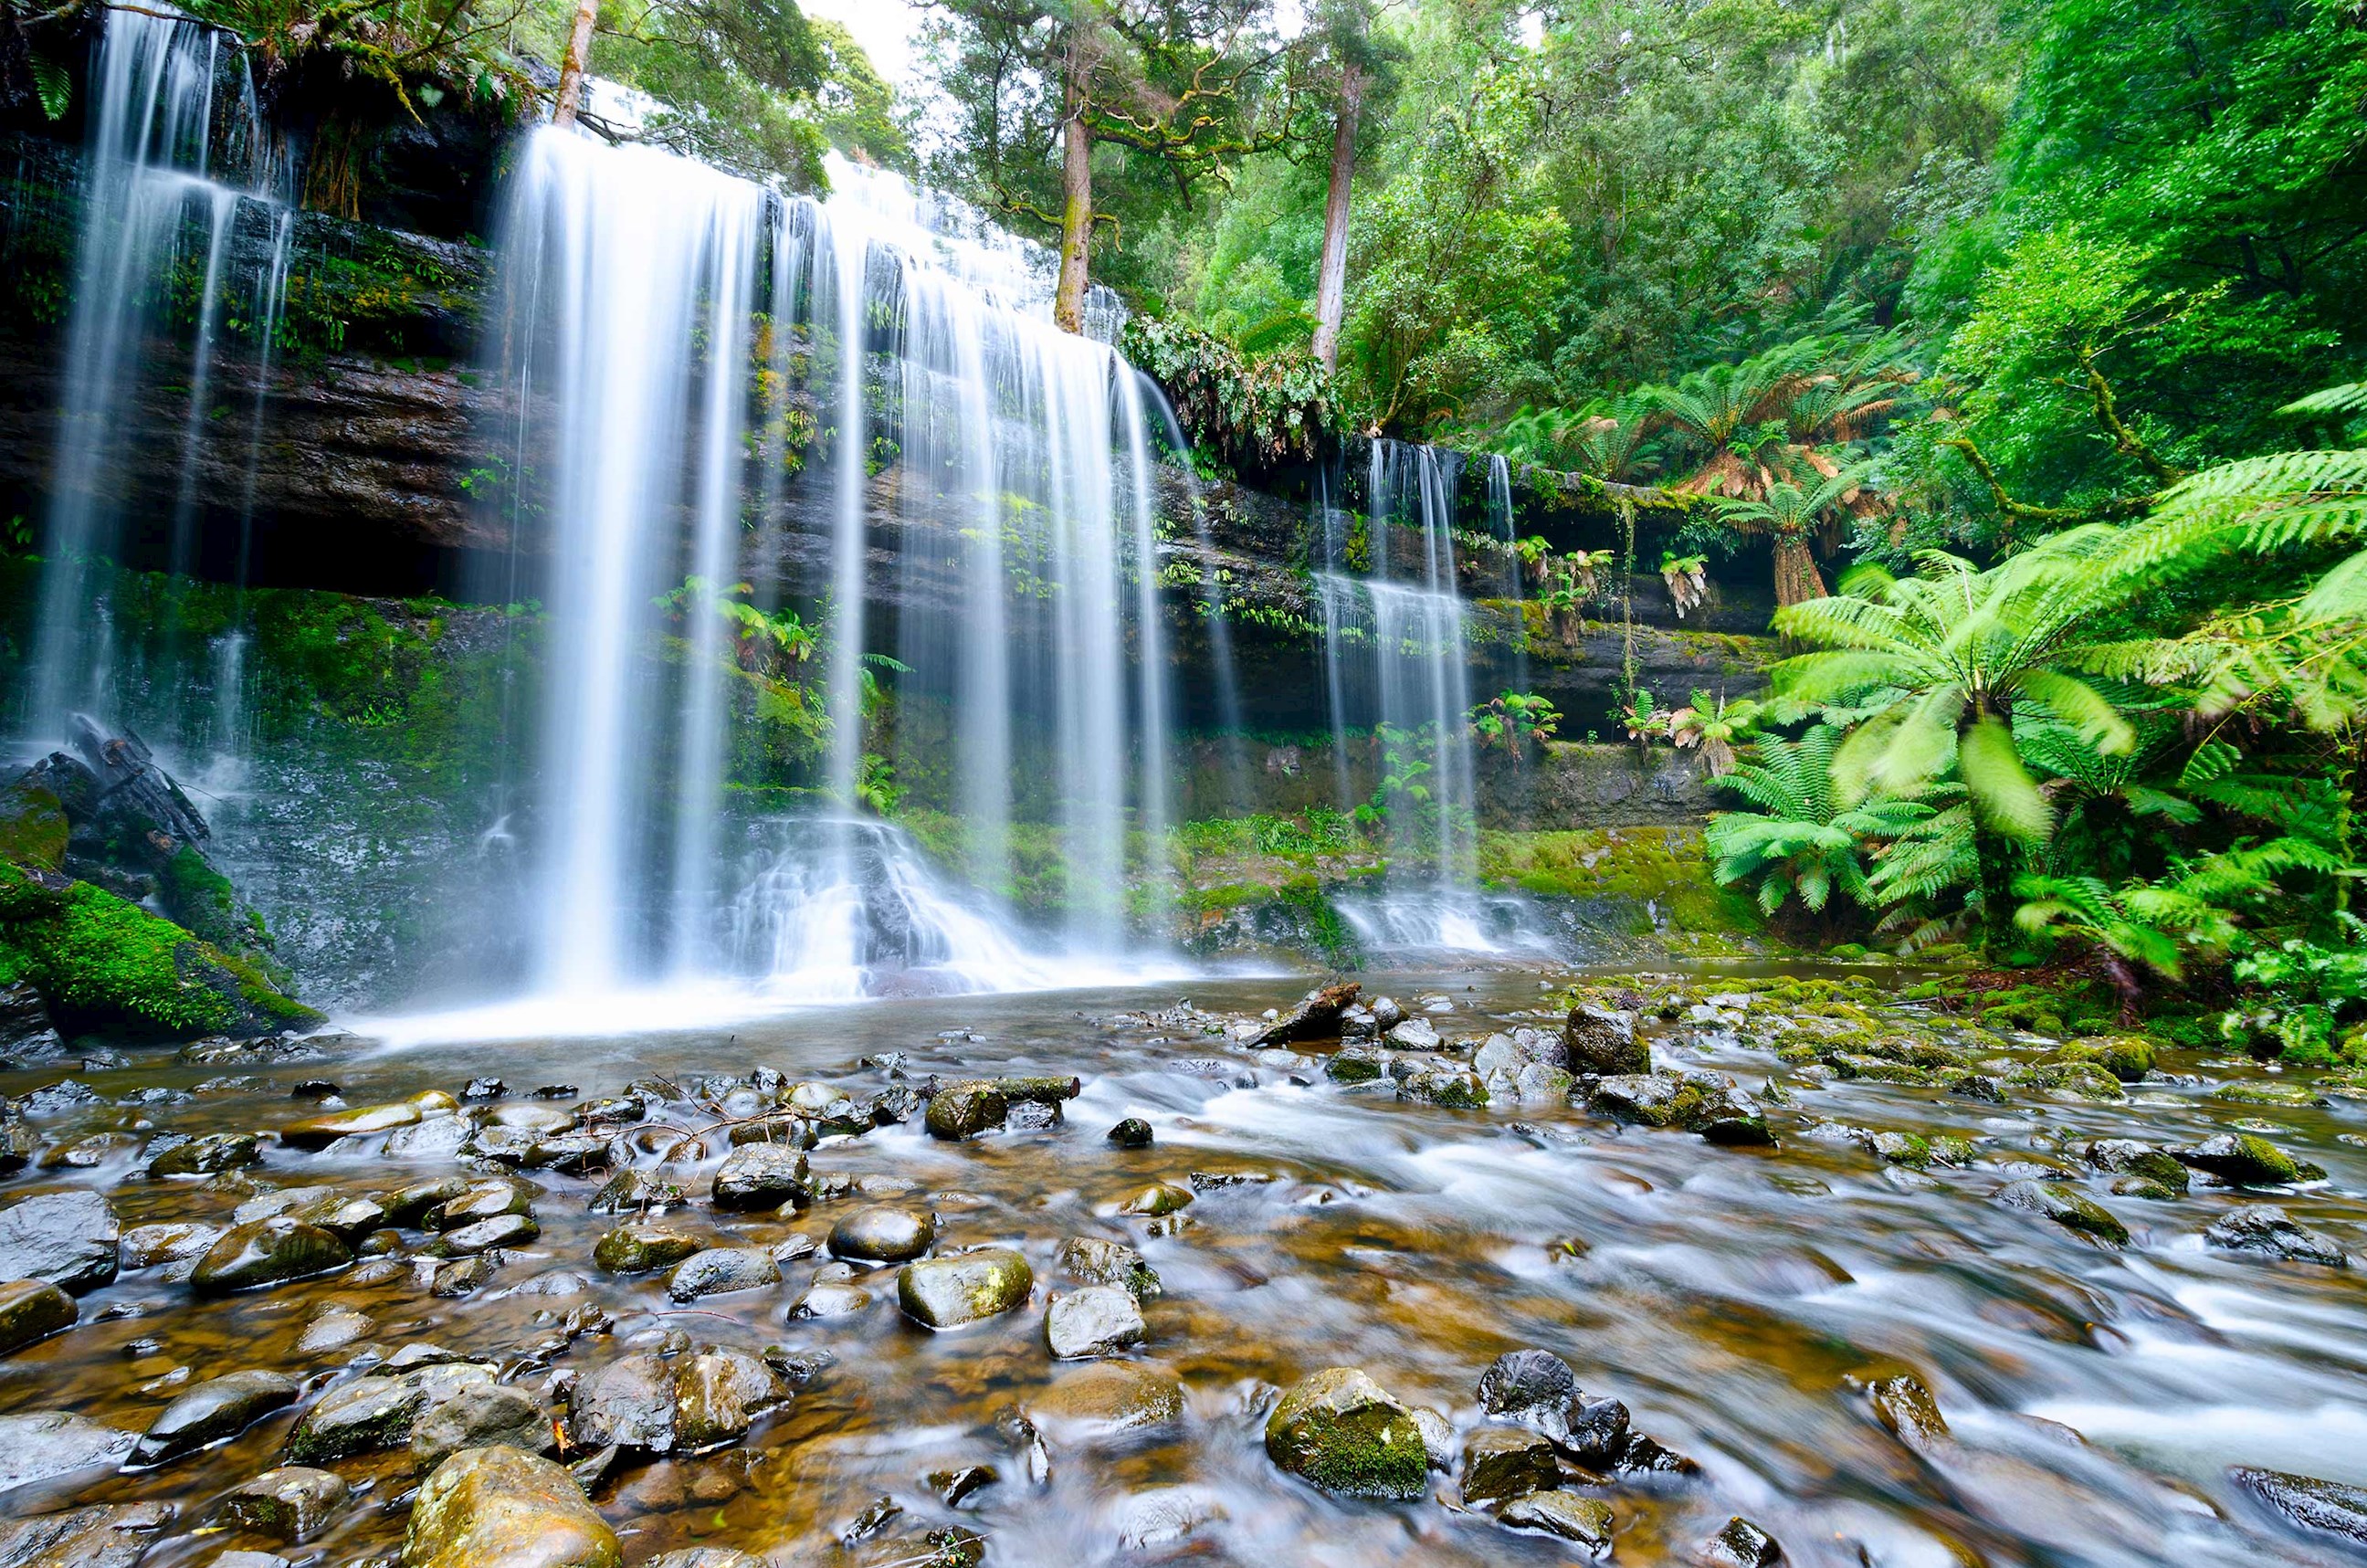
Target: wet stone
point(371, 1415)
point(955, 1487)
point(704, 1557)
point(333, 1328)
point(718, 1393)
point(502, 1230)
point(2320, 1507)
point(1504, 1462)
point(830, 1300)
point(208, 1156)
point(1098, 1262)
point(949, 1292)
point(1597, 1043)
point(1159, 1198)
point(643, 1248)
point(755, 1177)
point(717, 1272)
point(1535, 1387)
point(629, 1402)
point(1339, 1430)
point(460, 1276)
point(495, 1197)
point(107, 1536)
point(2245, 1159)
point(292, 1504)
point(2126, 1156)
point(2268, 1230)
point(66, 1238)
point(41, 1445)
point(1451, 1088)
point(529, 1116)
point(1588, 1521)
point(268, 1252)
point(1413, 1034)
point(1100, 1319)
point(476, 1415)
point(883, 1234)
point(219, 1408)
point(636, 1191)
point(32, 1309)
point(572, 1154)
point(411, 1206)
point(2067, 1208)
point(1741, 1544)
point(498, 1507)
point(1104, 1397)
point(1132, 1133)
point(319, 1132)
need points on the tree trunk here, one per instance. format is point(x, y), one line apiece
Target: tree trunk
point(1077, 197)
point(1796, 578)
point(1332, 277)
point(572, 64)
point(1995, 858)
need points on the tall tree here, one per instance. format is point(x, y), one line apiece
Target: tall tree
point(1355, 55)
point(574, 62)
point(1045, 81)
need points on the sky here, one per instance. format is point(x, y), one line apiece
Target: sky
point(886, 29)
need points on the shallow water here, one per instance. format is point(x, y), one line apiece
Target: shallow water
point(1735, 1300)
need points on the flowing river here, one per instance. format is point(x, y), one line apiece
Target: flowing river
point(1845, 1338)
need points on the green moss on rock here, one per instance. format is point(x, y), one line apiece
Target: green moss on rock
point(1339, 1430)
point(104, 964)
point(33, 827)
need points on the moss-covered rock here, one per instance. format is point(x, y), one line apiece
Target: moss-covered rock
point(33, 826)
point(1341, 1430)
point(501, 1507)
point(105, 965)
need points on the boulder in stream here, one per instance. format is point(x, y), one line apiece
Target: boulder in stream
point(1586, 1521)
point(883, 1234)
point(66, 1238)
point(1314, 1016)
point(757, 1177)
point(217, 1408)
point(1500, 1463)
point(640, 1246)
point(501, 1507)
point(268, 1252)
point(32, 1309)
point(1339, 1430)
point(717, 1272)
point(1098, 1262)
point(1100, 1319)
point(971, 1286)
point(293, 1504)
point(2320, 1507)
point(967, 1109)
point(2245, 1159)
point(41, 1445)
point(2268, 1230)
point(2068, 1208)
point(1741, 1544)
point(1600, 1043)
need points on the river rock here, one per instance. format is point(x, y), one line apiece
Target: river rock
point(370, 1414)
point(501, 1507)
point(704, 1557)
point(1413, 1034)
point(414, 1206)
point(1104, 1397)
point(830, 1298)
point(1097, 1261)
point(531, 1116)
point(2067, 1208)
point(1536, 1388)
point(883, 1234)
point(717, 1395)
point(1131, 1134)
point(1159, 1198)
point(332, 1327)
point(2126, 1156)
point(1600, 1043)
point(268, 1252)
point(2244, 1159)
point(208, 1156)
point(319, 1132)
point(292, 1504)
point(1598, 1436)
point(2125, 1057)
point(476, 1416)
point(501, 1231)
point(636, 1191)
point(642, 1247)
point(1741, 1544)
point(494, 1198)
point(1100, 1319)
point(66, 1238)
point(40, 1445)
point(1902, 1401)
point(219, 1408)
point(1339, 1430)
point(967, 1109)
point(1314, 1016)
point(761, 1177)
point(1656, 1099)
point(1503, 1462)
point(1440, 1085)
point(574, 1154)
point(2264, 1228)
point(971, 1286)
point(629, 1402)
point(1357, 1064)
point(145, 1246)
point(1585, 1520)
point(31, 1309)
point(717, 1272)
point(2322, 1507)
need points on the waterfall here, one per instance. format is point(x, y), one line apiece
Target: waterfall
point(169, 167)
point(1023, 600)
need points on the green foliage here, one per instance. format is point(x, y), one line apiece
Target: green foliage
point(1512, 720)
point(1242, 409)
point(1805, 843)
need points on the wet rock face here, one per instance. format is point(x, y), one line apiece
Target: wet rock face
point(1100, 1319)
point(65, 1238)
point(498, 1507)
point(881, 1233)
point(949, 1292)
point(1741, 1544)
point(40, 1445)
point(1339, 1430)
point(2243, 1159)
point(761, 1177)
point(642, 1248)
point(293, 1504)
point(650, 1405)
point(716, 1271)
point(967, 1109)
point(2066, 1208)
point(217, 1408)
point(373, 1414)
point(1535, 1387)
point(268, 1252)
point(2323, 1508)
point(1586, 1521)
point(2265, 1229)
point(477, 1415)
point(108, 1536)
point(1599, 1043)
point(629, 1402)
point(1098, 1262)
point(1503, 1462)
point(1316, 1017)
point(32, 1309)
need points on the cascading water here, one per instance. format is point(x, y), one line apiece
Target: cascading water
point(172, 165)
point(1025, 586)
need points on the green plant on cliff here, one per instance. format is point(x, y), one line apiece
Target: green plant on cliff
point(1807, 844)
point(1244, 408)
point(1512, 720)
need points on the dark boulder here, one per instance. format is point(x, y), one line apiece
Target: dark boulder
point(2265, 1228)
point(217, 1408)
point(32, 1309)
point(66, 1238)
point(1315, 1015)
point(268, 1252)
point(1597, 1043)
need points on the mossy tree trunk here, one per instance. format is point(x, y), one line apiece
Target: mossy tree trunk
point(1076, 192)
point(577, 60)
point(1331, 276)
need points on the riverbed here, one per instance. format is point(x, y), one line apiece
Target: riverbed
point(1846, 1339)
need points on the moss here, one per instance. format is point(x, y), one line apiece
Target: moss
point(201, 900)
point(104, 964)
point(33, 827)
point(1662, 866)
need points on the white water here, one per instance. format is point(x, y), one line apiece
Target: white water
point(171, 109)
point(1021, 478)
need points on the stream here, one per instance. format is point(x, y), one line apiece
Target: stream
point(1770, 1316)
